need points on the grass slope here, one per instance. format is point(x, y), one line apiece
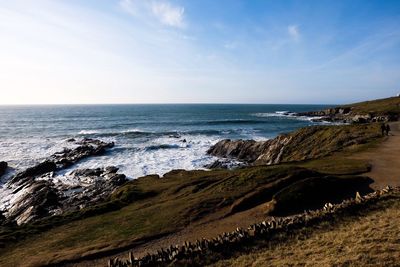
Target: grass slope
point(379, 107)
point(321, 141)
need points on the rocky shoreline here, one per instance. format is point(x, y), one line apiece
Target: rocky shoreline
point(36, 192)
point(346, 115)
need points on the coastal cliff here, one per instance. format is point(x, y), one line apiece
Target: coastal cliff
point(303, 144)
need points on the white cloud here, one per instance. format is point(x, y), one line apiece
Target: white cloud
point(293, 31)
point(163, 11)
point(168, 14)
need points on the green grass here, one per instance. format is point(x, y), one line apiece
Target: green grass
point(386, 106)
point(322, 141)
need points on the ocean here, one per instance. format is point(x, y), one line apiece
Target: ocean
point(149, 139)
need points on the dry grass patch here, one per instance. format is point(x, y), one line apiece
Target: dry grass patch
point(370, 240)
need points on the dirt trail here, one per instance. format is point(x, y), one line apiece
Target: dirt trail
point(385, 160)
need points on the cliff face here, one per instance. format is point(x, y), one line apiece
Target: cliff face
point(306, 143)
point(268, 152)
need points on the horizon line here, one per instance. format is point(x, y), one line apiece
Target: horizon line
point(159, 103)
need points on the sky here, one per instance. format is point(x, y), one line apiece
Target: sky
point(198, 51)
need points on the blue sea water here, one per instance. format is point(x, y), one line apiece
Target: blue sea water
point(149, 138)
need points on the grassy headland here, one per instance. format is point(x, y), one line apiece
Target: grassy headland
point(319, 159)
point(378, 107)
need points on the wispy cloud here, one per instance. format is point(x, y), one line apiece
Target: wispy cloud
point(168, 14)
point(369, 48)
point(164, 12)
point(293, 31)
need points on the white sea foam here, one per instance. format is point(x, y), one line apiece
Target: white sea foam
point(143, 161)
point(275, 114)
point(133, 130)
point(83, 132)
point(288, 114)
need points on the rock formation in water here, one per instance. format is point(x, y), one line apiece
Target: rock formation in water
point(38, 193)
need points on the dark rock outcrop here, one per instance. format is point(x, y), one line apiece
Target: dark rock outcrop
point(39, 169)
point(268, 152)
point(87, 147)
point(39, 196)
point(42, 198)
point(3, 167)
point(39, 199)
point(64, 159)
point(103, 181)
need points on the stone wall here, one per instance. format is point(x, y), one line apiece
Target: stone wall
point(235, 239)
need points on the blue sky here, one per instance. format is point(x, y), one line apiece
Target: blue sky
point(180, 51)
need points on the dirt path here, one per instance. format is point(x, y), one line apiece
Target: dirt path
point(385, 160)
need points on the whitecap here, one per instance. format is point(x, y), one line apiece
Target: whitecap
point(133, 130)
point(83, 132)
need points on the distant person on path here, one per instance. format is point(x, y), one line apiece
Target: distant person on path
point(387, 129)
point(383, 129)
